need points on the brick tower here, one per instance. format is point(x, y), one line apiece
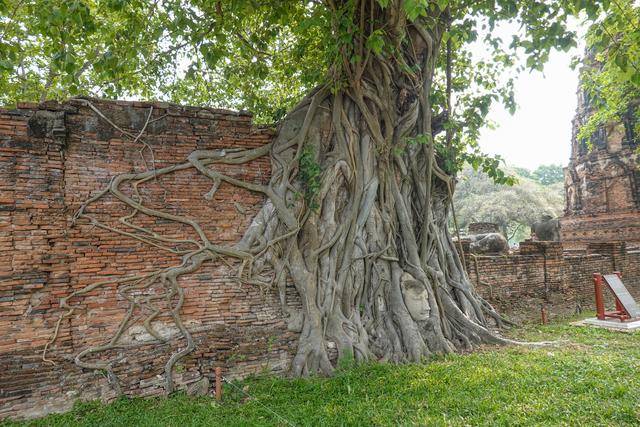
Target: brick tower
point(602, 185)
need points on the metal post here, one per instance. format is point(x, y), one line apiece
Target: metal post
point(597, 282)
point(218, 383)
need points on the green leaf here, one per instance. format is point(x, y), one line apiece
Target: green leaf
point(6, 65)
point(375, 42)
point(415, 8)
point(442, 4)
point(621, 61)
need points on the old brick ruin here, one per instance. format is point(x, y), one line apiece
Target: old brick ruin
point(602, 184)
point(55, 156)
point(545, 274)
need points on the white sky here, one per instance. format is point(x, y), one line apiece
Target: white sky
point(540, 130)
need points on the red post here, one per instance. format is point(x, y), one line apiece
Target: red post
point(597, 282)
point(619, 306)
point(543, 314)
point(218, 383)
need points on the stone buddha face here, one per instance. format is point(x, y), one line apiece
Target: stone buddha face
point(415, 297)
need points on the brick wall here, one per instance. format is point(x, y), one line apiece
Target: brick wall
point(580, 230)
point(55, 156)
point(541, 273)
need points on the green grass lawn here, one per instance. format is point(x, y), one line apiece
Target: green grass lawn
point(593, 380)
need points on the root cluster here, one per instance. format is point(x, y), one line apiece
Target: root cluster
point(371, 257)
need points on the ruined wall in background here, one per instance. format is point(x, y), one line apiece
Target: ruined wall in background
point(544, 274)
point(55, 156)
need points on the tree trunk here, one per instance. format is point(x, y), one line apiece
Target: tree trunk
point(372, 259)
point(356, 217)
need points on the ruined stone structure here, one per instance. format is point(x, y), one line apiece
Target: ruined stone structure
point(542, 273)
point(483, 227)
point(603, 184)
point(55, 156)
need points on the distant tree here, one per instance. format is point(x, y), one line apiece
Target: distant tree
point(513, 208)
point(548, 174)
point(523, 172)
point(543, 174)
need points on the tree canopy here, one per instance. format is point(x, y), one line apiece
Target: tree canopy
point(543, 174)
point(610, 77)
point(264, 55)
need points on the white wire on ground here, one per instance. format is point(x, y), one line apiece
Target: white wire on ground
point(259, 403)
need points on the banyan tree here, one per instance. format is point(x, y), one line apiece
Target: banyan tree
point(377, 104)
